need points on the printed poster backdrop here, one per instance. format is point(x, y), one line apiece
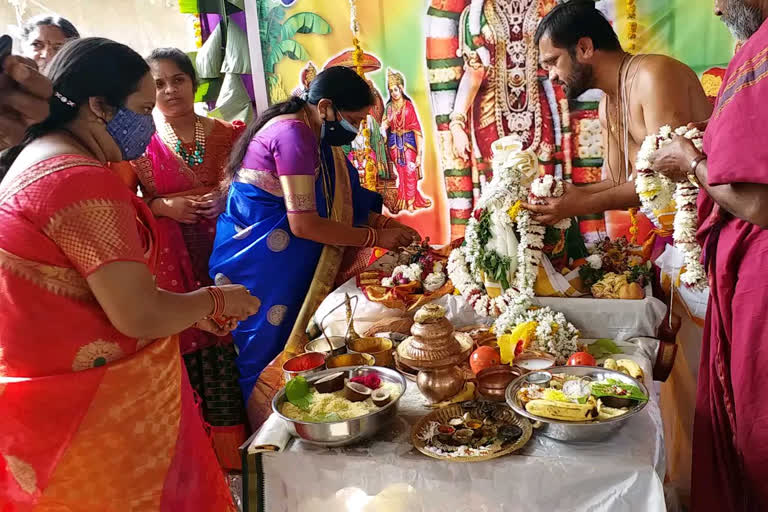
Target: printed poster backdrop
point(452, 76)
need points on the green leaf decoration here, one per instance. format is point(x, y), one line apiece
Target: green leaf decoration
point(305, 23)
point(233, 102)
point(188, 7)
point(297, 392)
point(210, 55)
point(240, 4)
point(603, 347)
point(236, 56)
point(208, 90)
point(294, 50)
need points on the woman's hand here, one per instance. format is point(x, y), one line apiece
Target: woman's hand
point(24, 96)
point(183, 209)
point(208, 325)
point(239, 304)
point(674, 160)
point(397, 237)
point(212, 204)
point(461, 147)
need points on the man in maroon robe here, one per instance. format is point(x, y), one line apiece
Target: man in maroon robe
point(730, 441)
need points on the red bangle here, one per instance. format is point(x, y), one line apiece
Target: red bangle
point(218, 302)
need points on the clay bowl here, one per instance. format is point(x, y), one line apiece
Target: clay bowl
point(379, 348)
point(492, 382)
point(534, 361)
point(304, 364)
point(350, 360)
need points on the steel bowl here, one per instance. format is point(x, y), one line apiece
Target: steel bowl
point(315, 359)
point(380, 348)
point(577, 431)
point(337, 346)
point(350, 360)
point(342, 433)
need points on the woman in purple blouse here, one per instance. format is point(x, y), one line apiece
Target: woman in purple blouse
point(295, 206)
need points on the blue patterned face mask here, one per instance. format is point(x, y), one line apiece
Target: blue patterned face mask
point(131, 132)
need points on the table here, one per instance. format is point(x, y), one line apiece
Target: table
point(623, 473)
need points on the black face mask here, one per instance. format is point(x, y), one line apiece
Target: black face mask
point(338, 133)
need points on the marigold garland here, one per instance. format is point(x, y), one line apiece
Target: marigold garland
point(631, 26)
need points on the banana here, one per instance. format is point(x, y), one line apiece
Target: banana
point(631, 368)
point(605, 413)
point(563, 411)
point(610, 364)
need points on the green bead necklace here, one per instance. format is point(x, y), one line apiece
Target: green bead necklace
point(190, 157)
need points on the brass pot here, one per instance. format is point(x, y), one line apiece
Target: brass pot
point(441, 383)
point(350, 360)
point(379, 348)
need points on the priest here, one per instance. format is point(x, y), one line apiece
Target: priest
point(730, 441)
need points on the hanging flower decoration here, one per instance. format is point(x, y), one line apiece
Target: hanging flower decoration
point(656, 191)
point(632, 26)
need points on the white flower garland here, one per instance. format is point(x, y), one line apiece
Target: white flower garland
point(512, 171)
point(656, 192)
point(554, 333)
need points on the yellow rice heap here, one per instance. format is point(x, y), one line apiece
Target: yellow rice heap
point(323, 404)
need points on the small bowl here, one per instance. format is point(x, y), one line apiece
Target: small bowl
point(379, 348)
point(313, 362)
point(534, 361)
point(338, 345)
point(350, 360)
point(396, 337)
point(492, 382)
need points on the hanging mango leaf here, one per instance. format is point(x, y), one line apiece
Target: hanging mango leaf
point(236, 56)
point(304, 23)
point(210, 55)
point(294, 50)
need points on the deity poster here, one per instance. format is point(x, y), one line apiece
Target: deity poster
point(450, 77)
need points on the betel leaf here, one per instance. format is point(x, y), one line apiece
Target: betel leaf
point(297, 392)
point(603, 347)
point(610, 386)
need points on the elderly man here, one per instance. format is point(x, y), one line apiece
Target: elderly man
point(730, 441)
point(24, 95)
point(579, 49)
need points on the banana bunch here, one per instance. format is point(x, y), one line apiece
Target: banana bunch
point(563, 411)
point(625, 366)
point(617, 286)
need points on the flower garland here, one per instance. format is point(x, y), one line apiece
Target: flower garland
point(553, 332)
point(656, 192)
point(500, 206)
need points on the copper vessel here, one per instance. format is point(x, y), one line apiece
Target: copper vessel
point(492, 382)
point(435, 350)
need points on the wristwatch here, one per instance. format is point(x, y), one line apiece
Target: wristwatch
point(692, 173)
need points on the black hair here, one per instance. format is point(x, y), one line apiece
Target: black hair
point(342, 85)
point(179, 58)
point(63, 24)
point(568, 22)
point(82, 69)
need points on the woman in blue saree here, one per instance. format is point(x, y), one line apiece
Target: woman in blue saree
point(296, 216)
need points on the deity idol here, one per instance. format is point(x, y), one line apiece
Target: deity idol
point(405, 144)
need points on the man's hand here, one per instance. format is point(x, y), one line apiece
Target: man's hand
point(24, 95)
point(570, 204)
point(674, 160)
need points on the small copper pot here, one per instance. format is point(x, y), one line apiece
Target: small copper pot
point(350, 360)
point(492, 382)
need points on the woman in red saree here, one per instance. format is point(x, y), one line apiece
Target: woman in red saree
point(180, 176)
point(97, 412)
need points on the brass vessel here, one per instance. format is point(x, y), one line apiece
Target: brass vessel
point(435, 350)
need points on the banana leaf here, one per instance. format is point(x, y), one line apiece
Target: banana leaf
point(304, 23)
point(294, 50)
point(236, 56)
point(233, 101)
point(210, 55)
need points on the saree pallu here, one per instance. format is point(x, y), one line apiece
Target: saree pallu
point(290, 275)
point(184, 250)
point(92, 420)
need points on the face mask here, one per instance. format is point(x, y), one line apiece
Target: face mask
point(131, 132)
point(338, 133)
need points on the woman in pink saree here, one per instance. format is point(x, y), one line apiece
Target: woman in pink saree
point(179, 176)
